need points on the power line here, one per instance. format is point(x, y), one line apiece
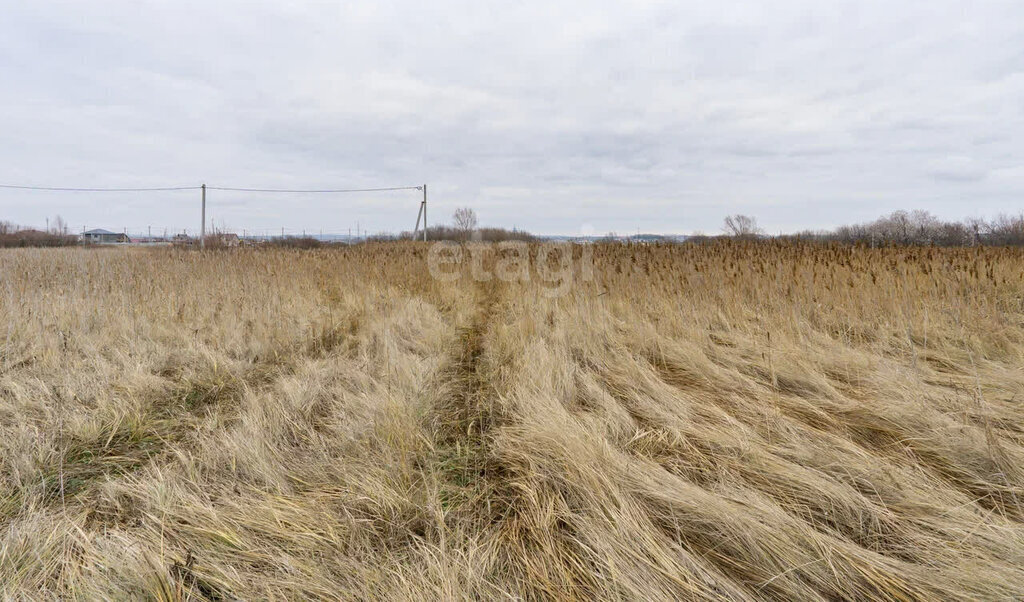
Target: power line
point(53, 188)
point(224, 188)
point(339, 190)
point(204, 187)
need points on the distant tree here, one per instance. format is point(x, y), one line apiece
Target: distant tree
point(60, 226)
point(741, 226)
point(465, 220)
point(12, 235)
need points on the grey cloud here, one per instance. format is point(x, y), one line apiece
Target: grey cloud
point(551, 116)
point(958, 169)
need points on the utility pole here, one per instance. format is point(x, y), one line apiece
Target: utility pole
point(421, 213)
point(202, 227)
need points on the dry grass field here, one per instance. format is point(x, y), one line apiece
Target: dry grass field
point(735, 421)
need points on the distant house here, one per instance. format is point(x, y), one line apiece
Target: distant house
point(104, 237)
point(646, 239)
point(181, 240)
point(226, 239)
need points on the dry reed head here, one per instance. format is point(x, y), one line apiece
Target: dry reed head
point(738, 420)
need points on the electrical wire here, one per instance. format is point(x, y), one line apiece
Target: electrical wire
point(56, 189)
point(224, 188)
point(339, 190)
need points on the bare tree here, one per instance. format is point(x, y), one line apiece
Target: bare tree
point(465, 220)
point(60, 226)
point(741, 226)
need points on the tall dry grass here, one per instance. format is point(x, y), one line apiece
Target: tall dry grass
point(728, 421)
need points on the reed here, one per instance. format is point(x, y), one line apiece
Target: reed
point(733, 420)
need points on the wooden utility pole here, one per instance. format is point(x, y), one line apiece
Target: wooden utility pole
point(202, 227)
point(422, 213)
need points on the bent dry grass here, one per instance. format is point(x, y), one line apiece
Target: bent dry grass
point(733, 421)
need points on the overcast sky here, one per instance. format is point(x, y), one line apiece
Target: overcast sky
point(557, 117)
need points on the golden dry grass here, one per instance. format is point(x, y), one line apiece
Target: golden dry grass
point(733, 421)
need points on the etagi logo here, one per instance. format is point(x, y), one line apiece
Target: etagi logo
point(553, 263)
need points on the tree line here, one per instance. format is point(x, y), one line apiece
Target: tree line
point(897, 228)
point(924, 228)
point(901, 228)
point(57, 234)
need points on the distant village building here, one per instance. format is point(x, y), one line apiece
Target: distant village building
point(227, 239)
point(104, 237)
